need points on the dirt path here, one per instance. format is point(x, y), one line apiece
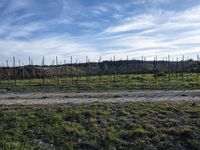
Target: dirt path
point(86, 97)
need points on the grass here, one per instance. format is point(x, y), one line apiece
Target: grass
point(155, 125)
point(92, 83)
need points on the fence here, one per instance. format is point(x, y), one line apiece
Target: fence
point(114, 74)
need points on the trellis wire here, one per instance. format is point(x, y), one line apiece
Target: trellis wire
point(74, 71)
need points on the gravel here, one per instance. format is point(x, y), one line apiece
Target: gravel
point(9, 98)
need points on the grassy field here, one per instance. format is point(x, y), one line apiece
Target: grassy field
point(153, 125)
point(113, 82)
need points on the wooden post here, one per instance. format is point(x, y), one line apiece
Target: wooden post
point(183, 65)
point(127, 68)
point(88, 61)
point(8, 73)
point(57, 71)
point(155, 72)
point(177, 68)
point(71, 61)
point(43, 65)
point(19, 74)
point(197, 69)
point(29, 70)
point(76, 75)
point(187, 67)
point(23, 74)
point(172, 68)
point(1, 77)
point(76, 70)
point(99, 65)
point(65, 70)
point(86, 69)
point(14, 66)
point(99, 69)
point(169, 69)
point(114, 70)
point(142, 70)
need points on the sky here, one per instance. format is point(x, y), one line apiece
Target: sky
point(95, 28)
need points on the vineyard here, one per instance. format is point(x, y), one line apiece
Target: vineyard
point(120, 74)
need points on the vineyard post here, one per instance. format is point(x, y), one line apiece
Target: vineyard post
point(172, 68)
point(76, 75)
point(14, 66)
point(57, 71)
point(23, 74)
point(71, 69)
point(139, 71)
point(76, 70)
point(0, 74)
point(127, 69)
point(163, 64)
point(99, 71)
point(109, 70)
point(29, 69)
point(197, 68)
point(132, 67)
point(177, 68)
point(65, 70)
point(155, 73)
point(169, 69)
point(53, 71)
point(43, 69)
point(19, 66)
point(142, 70)
point(117, 69)
point(8, 73)
point(156, 69)
point(114, 69)
point(166, 67)
point(187, 67)
point(86, 69)
point(182, 68)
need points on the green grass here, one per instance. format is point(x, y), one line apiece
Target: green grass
point(139, 125)
point(92, 83)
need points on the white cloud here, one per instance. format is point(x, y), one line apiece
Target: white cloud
point(48, 46)
point(159, 33)
point(156, 32)
point(100, 9)
point(138, 23)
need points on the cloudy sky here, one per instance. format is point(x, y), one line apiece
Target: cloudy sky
point(97, 28)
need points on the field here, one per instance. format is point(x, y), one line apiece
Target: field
point(53, 109)
point(103, 75)
point(106, 82)
point(141, 125)
point(99, 74)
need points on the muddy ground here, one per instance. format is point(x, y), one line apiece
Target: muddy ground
point(9, 98)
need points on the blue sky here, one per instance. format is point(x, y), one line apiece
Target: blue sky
point(97, 28)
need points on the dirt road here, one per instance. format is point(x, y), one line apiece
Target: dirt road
point(86, 97)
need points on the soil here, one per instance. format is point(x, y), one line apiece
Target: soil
point(10, 98)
